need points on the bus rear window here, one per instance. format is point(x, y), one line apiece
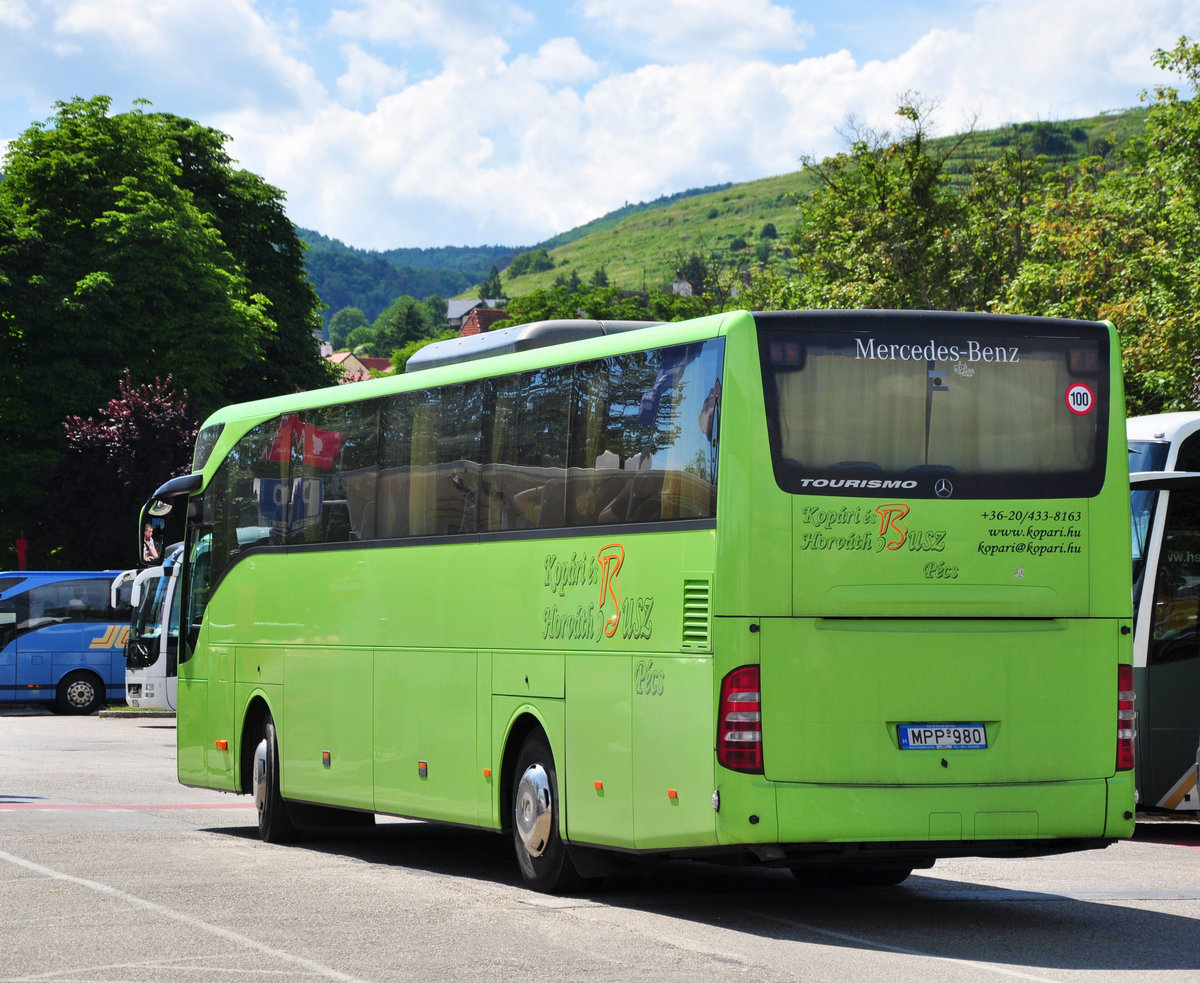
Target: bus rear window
point(935, 404)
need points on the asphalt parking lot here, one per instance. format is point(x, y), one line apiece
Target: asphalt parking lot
point(112, 871)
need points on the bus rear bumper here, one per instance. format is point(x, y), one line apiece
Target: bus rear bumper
point(947, 820)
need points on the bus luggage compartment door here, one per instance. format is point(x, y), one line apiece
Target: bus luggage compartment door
point(1002, 701)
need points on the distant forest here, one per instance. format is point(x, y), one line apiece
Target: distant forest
point(347, 277)
point(370, 280)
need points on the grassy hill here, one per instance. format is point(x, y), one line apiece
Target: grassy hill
point(639, 250)
point(639, 246)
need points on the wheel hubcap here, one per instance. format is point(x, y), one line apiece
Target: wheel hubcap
point(534, 815)
point(80, 694)
point(259, 779)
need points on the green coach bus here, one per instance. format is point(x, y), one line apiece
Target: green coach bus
point(842, 592)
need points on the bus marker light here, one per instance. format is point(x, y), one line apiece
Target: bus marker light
point(598, 786)
point(487, 772)
point(422, 769)
point(222, 745)
point(325, 759)
point(672, 793)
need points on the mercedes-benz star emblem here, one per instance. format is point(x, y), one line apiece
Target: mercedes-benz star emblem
point(943, 488)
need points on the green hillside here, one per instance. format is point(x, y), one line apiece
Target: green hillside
point(641, 250)
point(639, 246)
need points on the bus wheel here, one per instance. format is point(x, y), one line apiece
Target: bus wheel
point(541, 853)
point(80, 692)
point(274, 823)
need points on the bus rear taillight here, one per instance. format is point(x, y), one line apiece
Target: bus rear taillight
point(739, 722)
point(1126, 723)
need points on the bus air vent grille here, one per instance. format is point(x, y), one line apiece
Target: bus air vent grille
point(697, 615)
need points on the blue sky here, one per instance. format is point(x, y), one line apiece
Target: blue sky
point(455, 122)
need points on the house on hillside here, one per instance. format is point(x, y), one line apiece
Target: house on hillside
point(457, 310)
point(480, 319)
point(356, 368)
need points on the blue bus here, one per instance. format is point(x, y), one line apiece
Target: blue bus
point(62, 640)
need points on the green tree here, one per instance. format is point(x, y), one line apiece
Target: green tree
point(437, 308)
point(990, 239)
point(530, 261)
point(249, 214)
point(405, 319)
point(130, 242)
point(361, 341)
point(874, 233)
point(1123, 242)
point(344, 322)
point(491, 288)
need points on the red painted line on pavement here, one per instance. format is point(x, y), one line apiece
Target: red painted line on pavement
point(13, 806)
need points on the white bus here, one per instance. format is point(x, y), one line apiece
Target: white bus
point(152, 649)
point(1164, 466)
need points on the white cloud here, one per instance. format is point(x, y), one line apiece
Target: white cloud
point(144, 29)
point(495, 148)
point(464, 121)
point(558, 60)
point(366, 78)
point(16, 14)
point(680, 30)
point(177, 54)
point(443, 25)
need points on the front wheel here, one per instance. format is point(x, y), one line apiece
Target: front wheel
point(80, 692)
point(542, 855)
point(274, 823)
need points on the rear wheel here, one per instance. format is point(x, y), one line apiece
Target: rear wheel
point(274, 823)
point(542, 855)
point(80, 692)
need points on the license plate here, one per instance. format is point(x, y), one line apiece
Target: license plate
point(933, 737)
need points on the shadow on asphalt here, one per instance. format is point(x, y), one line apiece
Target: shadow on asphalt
point(950, 919)
point(1171, 828)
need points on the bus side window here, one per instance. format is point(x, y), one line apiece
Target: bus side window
point(8, 621)
point(1176, 630)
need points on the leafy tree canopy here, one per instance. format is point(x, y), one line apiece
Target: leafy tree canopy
point(405, 319)
point(130, 241)
point(344, 322)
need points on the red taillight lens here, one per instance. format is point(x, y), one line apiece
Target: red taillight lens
point(1126, 723)
point(739, 722)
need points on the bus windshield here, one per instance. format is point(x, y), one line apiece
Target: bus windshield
point(146, 627)
point(857, 403)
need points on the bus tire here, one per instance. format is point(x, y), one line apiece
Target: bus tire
point(541, 854)
point(274, 823)
point(80, 692)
